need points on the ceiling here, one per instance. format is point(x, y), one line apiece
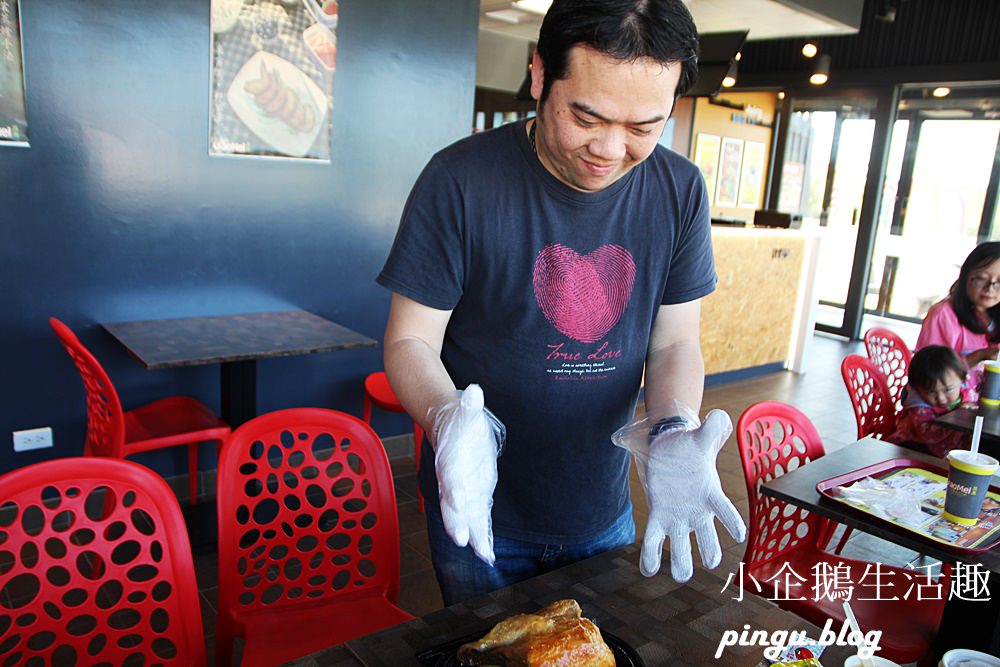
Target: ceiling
point(505, 46)
point(765, 19)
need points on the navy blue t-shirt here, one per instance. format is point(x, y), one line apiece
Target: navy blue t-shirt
point(553, 293)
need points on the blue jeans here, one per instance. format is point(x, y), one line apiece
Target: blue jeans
point(461, 575)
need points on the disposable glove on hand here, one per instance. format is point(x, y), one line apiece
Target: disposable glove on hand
point(675, 458)
point(467, 439)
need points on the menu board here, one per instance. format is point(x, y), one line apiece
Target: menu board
point(273, 64)
point(13, 116)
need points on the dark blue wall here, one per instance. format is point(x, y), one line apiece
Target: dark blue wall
point(117, 213)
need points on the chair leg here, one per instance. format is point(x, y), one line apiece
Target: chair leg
point(843, 540)
point(223, 646)
point(366, 411)
point(193, 471)
point(418, 440)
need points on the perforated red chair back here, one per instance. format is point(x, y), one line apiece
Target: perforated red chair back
point(775, 438)
point(105, 419)
point(891, 356)
point(95, 568)
point(307, 513)
point(874, 409)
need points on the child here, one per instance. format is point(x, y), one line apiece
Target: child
point(937, 384)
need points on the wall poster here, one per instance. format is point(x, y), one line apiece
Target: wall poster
point(272, 75)
point(706, 156)
point(729, 171)
point(751, 175)
point(13, 114)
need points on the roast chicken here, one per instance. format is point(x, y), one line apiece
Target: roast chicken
point(555, 636)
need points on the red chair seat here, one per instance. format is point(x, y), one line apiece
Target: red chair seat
point(908, 626)
point(277, 636)
point(177, 420)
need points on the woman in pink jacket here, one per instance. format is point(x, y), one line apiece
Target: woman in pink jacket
point(968, 320)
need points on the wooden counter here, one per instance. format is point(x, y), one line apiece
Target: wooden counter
point(761, 314)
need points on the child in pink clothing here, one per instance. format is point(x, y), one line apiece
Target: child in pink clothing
point(937, 384)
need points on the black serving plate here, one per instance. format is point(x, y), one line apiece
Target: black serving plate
point(444, 655)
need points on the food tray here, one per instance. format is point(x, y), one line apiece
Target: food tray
point(444, 655)
point(828, 487)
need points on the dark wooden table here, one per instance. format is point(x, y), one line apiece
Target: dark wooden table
point(235, 342)
point(964, 420)
point(966, 624)
point(666, 622)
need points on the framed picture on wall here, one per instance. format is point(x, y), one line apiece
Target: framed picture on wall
point(706, 156)
point(13, 115)
point(272, 75)
point(729, 171)
point(751, 175)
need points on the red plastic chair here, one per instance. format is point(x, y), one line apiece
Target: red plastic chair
point(874, 409)
point(378, 391)
point(96, 568)
point(168, 422)
point(308, 536)
point(775, 438)
point(891, 356)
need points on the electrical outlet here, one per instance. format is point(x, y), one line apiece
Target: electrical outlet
point(32, 438)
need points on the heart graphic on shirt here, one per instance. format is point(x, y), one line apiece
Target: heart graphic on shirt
point(583, 295)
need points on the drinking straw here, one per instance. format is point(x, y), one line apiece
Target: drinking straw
point(977, 432)
point(862, 644)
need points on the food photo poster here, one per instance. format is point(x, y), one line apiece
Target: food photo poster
point(706, 156)
point(273, 63)
point(729, 171)
point(13, 115)
point(752, 174)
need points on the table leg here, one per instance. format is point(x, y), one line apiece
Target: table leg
point(239, 391)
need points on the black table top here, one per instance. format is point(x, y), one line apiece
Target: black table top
point(964, 419)
point(192, 341)
point(665, 622)
point(798, 487)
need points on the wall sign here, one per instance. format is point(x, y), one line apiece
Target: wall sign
point(706, 156)
point(751, 175)
point(13, 115)
point(273, 65)
point(729, 171)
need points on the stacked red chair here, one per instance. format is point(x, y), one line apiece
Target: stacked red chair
point(775, 438)
point(308, 536)
point(114, 432)
point(891, 356)
point(874, 410)
point(95, 568)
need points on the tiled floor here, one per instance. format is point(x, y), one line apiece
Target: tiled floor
point(819, 392)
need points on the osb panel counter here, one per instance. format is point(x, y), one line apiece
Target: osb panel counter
point(754, 320)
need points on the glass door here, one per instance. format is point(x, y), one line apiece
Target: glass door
point(939, 202)
point(823, 180)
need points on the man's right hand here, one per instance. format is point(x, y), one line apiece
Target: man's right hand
point(467, 439)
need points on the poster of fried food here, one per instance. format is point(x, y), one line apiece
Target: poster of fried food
point(273, 63)
point(13, 115)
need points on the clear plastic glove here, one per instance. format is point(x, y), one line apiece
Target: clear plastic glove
point(467, 439)
point(675, 456)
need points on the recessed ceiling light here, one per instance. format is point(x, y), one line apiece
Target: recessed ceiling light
point(781, 94)
point(941, 91)
point(809, 49)
point(534, 6)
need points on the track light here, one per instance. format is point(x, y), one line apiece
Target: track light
point(821, 72)
point(729, 80)
point(809, 49)
point(941, 91)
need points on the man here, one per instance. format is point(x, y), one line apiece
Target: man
point(550, 262)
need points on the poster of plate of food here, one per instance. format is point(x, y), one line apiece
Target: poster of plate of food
point(278, 102)
point(273, 65)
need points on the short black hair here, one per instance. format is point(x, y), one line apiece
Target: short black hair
point(930, 364)
point(982, 255)
point(622, 29)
